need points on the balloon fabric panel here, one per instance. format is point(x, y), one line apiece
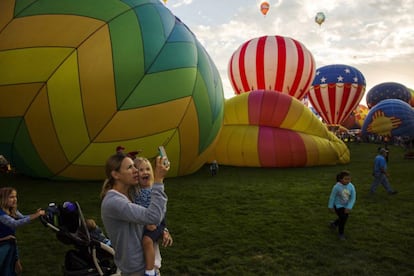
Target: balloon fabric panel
point(13, 93)
point(272, 107)
point(40, 125)
point(95, 63)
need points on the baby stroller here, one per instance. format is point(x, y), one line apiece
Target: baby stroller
point(89, 257)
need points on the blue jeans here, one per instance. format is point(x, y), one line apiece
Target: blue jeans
point(380, 178)
point(8, 258)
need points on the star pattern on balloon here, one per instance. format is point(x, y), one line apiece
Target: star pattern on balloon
point(347, 76)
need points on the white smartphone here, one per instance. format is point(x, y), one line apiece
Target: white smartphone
point(163, 153)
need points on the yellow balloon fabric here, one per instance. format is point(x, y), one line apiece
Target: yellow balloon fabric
point(268, 129)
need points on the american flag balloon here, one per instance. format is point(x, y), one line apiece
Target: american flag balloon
point(274, 63)
point(336, 91)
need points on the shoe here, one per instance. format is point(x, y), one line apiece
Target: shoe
point(393, 193)
point(342, 237)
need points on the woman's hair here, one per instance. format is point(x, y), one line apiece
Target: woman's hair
point(112, 164)
point(5, 193)
point(342, 174)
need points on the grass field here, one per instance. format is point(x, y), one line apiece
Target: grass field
point(254, 221)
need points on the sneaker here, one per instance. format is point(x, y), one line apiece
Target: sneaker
point(342, 237)
point(393, 192)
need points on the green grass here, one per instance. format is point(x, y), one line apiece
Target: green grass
point(252, 221)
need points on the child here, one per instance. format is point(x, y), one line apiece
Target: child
point(95, 232)
point(341, 201)
point(10, 219)
point(214, 168)
point(152, 233)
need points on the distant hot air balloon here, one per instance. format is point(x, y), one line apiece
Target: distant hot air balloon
point(336, 91)
point(264, 7)
point(320, 18)
point(356, 118)
point(165, 1)
point(390, 117)
point(275, 63)
point(412, 97)
point(387, 90)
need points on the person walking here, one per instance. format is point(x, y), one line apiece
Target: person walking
point(380, 173)
point(341, 201)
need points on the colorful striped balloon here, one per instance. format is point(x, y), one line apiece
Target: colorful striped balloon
point(336, 91)
point(267, 129)
point(79, 78)
point(273, 63)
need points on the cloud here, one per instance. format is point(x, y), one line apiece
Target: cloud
point(375, 36)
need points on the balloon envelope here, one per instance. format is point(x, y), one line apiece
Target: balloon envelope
point(390, 117)
point(276, 63)
point(387, 90)
point(319, 18)
point(336, 91)
point(79, 78)
point(264, 7)
point(267, 129)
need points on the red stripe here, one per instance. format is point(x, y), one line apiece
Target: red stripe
point(299, 70)
point(311, 76)
point(344, 100)
point(332, 99)
point(260, 56)
point(233, 82)
point(319, 99)
point(281, 63)
point(253, 107)
point(281, 148)
point(242, 68)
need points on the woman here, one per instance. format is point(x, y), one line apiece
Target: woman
point(10, 219)
point(123, 220)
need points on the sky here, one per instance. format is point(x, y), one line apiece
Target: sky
point(374, 36)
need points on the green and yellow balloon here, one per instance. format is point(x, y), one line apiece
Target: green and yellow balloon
point(79, 78)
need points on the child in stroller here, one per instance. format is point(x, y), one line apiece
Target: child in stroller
point(90, 256)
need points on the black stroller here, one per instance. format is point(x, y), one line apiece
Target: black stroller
point(89, 257)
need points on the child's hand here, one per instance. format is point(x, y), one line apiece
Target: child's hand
point(151, 227)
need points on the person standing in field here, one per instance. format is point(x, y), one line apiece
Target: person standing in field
point(341, 201)
point(380, 173)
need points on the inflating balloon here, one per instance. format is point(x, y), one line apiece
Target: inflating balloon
point(387, 90)
point(264, 7)
point(390, 117)
point(79, 78)
point(412, 97)
point(276, 63)
point(356, 118)
point(268, 129)
point(336, 91)
point(319, 18)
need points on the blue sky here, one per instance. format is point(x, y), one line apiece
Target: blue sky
point(374, 36)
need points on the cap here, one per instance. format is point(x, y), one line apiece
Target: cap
point(382, 150)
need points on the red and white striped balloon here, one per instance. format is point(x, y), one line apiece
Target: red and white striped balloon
point(275, 63)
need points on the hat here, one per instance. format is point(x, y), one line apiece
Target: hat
point(382, 150)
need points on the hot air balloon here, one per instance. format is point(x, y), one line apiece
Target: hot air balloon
point(276, 63)
point(390, 117)
point(412, 97)
point(319, 18)
point(356, 118)
point(165, 1)
point(264, 7)
point(387, 90)
point(336, 91)
point(103, 74)
point(268, 129)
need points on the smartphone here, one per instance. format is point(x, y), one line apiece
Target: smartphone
point(163, 153)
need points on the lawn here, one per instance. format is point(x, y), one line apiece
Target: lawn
point(254, 221)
